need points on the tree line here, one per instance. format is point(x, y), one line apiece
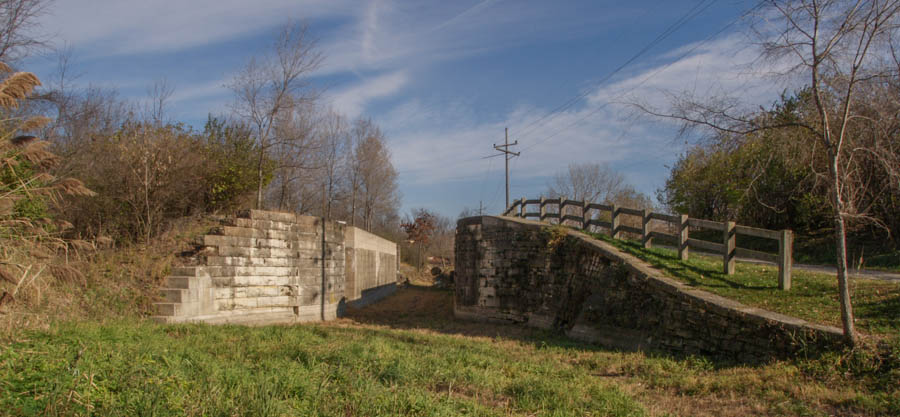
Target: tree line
point(279, 148)
point(778, 178)
point(825, 157)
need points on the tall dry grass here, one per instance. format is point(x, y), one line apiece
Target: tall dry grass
point(33, 252)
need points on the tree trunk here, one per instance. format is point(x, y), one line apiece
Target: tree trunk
point(283, 197)
point(259, 179)
point(147, 201)
point(353, 208)
point(840, 238)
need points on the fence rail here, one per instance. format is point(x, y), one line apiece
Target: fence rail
point(584, 218)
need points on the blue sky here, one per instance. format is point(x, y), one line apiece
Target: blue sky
point(442, 78)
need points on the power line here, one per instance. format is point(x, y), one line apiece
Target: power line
point(651, 76)
point(692, 13)
point(678, 24)
point(508, 154)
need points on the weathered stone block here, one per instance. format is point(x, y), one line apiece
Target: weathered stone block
point(274, 265)
point(505, 267)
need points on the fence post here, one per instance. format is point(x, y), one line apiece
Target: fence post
point(785, 259)
point(543, 209)
point(522, 208)
point(614, 222)
point(561, 208)
point(645, 230)
point(729, 239)
point(683, 251)
point(585, 216)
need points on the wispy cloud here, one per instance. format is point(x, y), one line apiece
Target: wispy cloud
point(466, 14)
point(604, 128)
point(111, 27)
point(352, 101)
point(389, 34)
point(214, 88)
point(369, 32)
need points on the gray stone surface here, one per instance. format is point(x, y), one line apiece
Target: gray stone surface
point(270, 267)
point(514, 270)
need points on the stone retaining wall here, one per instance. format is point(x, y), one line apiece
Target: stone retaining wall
point(520, 271)
point(269, 267)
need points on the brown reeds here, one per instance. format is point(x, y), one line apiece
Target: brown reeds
point(31, 243)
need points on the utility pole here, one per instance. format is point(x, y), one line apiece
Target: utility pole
point(504, 148)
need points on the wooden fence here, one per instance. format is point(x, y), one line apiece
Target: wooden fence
point(682, 225)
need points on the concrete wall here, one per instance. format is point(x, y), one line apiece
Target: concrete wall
point(371, 267)
point(519, 271)
point(269, 267)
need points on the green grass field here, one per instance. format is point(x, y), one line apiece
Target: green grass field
point(408, 356)
point(143, 369)
point(813, 296)
point(404, 356)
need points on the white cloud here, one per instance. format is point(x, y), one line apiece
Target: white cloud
point(111, 27)
point(205, 90)
point(387, 44)
point(352, 100)
point(386, 34)
point(723, 67)
point(604, 128)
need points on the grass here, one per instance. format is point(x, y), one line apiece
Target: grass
point(813, 296)
point(143, 369)
point(409, 356)
point(405, 356)
point(867, 251)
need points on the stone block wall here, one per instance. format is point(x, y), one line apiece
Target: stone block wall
point(520, 271)
point(269, 267)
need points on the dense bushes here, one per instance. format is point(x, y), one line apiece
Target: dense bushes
point(147, 174)
point(230, 171)
point(778, 178)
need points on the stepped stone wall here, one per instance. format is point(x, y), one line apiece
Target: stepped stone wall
point(520, 271)
point(271, 267)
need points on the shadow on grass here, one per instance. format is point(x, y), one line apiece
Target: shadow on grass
point(429, 309)
point(880, 314)
point(676, 268)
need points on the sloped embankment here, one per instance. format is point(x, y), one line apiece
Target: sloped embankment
point(521, 271)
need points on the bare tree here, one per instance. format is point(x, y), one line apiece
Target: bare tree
point(294, 161)
point(158, 95)
point(18, 20)
point(332, 156)
point(444, 239)
point(588, 182)
point(362, 130)
point(269, 88)
point(376, 180)
point(595, 183)
point(420, 227)
point(834, 44)
point(80, 114)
